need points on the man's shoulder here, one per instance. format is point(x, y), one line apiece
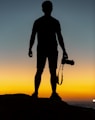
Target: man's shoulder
point(39, 19)
point(55, 19)
point(43, 20)
point(43, 17)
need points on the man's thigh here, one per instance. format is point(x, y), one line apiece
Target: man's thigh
point(41, 60)
point(52, 59)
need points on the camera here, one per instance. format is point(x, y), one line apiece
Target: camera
point(66, 61)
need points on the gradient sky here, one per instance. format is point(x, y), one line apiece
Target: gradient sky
point(17, 70)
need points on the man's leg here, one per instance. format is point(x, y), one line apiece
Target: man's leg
point(41, 60)
point(52, 67)
point(53, 79)
point(54, 85)
point(38, 79)
point(52, 59)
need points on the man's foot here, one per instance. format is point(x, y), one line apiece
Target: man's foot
point(55, 96)
point(34, 95)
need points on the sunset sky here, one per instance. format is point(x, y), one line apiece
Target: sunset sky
point(17, 70)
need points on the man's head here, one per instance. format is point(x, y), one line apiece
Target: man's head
point(47, 7)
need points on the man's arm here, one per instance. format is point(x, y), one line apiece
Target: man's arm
point(32, 39)
point(61, 43)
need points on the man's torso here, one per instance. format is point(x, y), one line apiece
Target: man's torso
point(46, 28)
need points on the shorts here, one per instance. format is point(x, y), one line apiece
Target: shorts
point(51, 56)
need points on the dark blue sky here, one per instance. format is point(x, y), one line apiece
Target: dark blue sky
point(76, 18)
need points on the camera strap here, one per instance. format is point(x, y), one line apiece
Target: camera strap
point(64, 61)
point(60, 68)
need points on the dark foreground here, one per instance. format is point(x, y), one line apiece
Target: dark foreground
point(23, 107)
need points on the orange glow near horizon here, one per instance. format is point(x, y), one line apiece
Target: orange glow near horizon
point(77, 84)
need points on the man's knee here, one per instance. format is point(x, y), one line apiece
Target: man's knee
point(52, 70)
point(39, 71)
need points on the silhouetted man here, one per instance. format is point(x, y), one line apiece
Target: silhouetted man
point(48, 30)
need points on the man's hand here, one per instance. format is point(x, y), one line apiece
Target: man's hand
point(30, 53)
point(65, 55)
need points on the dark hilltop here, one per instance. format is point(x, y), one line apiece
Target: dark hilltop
point(24, 107)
